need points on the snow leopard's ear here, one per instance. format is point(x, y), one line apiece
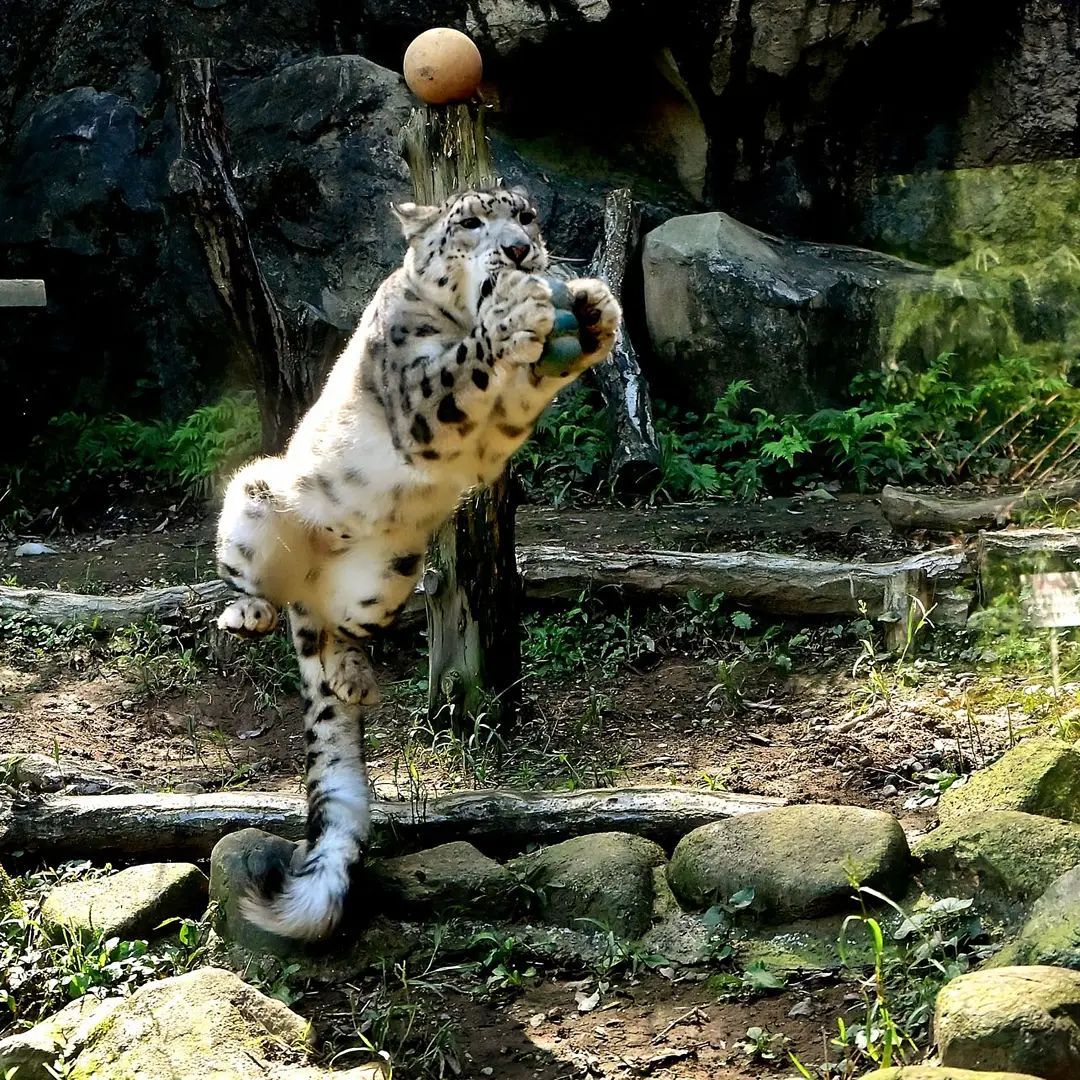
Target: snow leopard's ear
point(414, 218)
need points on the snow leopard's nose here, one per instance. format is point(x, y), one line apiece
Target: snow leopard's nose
point(516, 252)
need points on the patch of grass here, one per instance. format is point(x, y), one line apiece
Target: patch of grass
point(41, 977)
point(78, 455)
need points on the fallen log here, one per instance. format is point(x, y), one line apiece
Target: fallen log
point(156, 825)
point(52, 608)
point(778, 584)
point(908, 510)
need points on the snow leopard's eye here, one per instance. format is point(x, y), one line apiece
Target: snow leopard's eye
point(527, 217)
point(470, 223)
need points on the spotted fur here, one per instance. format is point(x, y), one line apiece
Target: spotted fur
point(437, 388)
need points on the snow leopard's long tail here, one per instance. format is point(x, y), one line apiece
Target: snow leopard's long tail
point(307, 899)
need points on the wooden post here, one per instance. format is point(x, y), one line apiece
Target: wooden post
point(635, 458)
point(203, 176)
point(471, 583)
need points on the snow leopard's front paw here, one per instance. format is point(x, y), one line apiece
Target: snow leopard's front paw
point(598, 315)
point(519, 317)
point(249, 616)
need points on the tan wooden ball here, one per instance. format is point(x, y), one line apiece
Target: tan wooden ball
point(443, 65)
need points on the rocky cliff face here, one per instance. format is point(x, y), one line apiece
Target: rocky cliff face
point(785, 114)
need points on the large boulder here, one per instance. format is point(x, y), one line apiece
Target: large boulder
point(1003, 858)
point(206, 1023)
point(606, 877)
point(1050, 934)
point(1024, 1019)
point(1038, 776)
point(127, 904)
point(797, 320)
point(799, 860)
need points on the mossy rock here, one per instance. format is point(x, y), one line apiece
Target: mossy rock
point(206, 1023)
point(10, 901)
point(35, 1052)
point(932, 1072)
point(1038, 776)
point(799, 860)
point(1023, 1019)
point(607, 877)
point(453, 875)
point(1051, 932)
point(1003, 858)
point(131, 903)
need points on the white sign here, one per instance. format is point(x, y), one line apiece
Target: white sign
point(1051, 599)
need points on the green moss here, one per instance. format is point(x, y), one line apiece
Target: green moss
point(1005, 244)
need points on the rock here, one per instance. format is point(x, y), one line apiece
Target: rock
point(508, 25)
point(1051, 932)
point(127, 904)
point(797, 859)
point(441, 878)
point(603, 876)
point(238, 862)
point(930, 1072)
point(34, 549)
point(1038, 776)
point(208, 1022)
point(1024, 1019)
point(798, 321)
point(1001, 857)
point(63, 1034)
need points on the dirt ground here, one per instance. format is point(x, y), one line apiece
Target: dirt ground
point(670, 701)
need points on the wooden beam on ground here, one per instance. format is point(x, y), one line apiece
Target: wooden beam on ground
point(779, 584)
point(909, 510)
point(764, 581)
point(22, 292)
point(167, 825)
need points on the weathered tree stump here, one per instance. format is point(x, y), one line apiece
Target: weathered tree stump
point(635, 458)
point(276, 352)
point(471, 582)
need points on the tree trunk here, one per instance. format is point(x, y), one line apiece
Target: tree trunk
point(203, 177)
point(635, 459)
point(158, 825)
point(471, 583)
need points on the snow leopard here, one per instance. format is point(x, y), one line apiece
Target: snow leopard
point(442, 381)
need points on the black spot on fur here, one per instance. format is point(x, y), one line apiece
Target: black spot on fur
point(462, 353)
point(480, 378)
point(446, 377)
point(430, 455)
point(371, 601)
point(307, 641)
point(370, 628)
point(316, 821)
point(405, 565)
point(443, 280)
point(327, 712)
point(399, 335)
point(327, 488)
point(324, 688)
point(425, 330)
point(420, 430)
point(448, 411)
point(312, 759)
point(511, 431)
point(310, 736)
point(425, 386)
